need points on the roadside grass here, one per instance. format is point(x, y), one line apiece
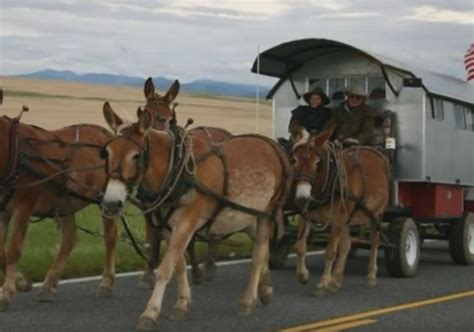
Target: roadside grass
point(87, 258)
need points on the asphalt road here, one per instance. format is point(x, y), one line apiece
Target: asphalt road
point(437, 299)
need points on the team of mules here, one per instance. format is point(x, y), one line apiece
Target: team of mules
point(201, 182)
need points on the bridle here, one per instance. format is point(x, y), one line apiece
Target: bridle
point(142, 163)
point(158, 116)
point(309, 177)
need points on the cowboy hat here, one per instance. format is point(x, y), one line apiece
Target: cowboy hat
point(356, 89)
point(319, 92)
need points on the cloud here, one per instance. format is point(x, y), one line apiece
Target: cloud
point(433, 14)
point(218, 39)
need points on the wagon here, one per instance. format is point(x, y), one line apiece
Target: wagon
point(430, 141)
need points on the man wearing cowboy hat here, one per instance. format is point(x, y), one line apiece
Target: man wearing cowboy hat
point(355, 121)
point(314, 116)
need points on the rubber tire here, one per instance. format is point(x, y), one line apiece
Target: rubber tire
point(279, 254)
point(395, 258)
point(459, 241)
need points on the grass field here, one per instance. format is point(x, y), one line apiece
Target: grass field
point(54, 104)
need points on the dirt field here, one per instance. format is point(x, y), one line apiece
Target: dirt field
point(54, 104)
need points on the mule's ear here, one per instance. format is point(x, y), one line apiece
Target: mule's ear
point(172, 92)
point(149, 89)
point(323, 136)
point(145, 122)
point(139, 112)
point(112, 119)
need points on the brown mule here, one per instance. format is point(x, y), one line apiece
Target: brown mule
point(21, 282)
point(256, 173)
point(60, 172)
point(162, 109)
point(360, 196)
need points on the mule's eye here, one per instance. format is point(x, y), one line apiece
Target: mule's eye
point(104, 153)
point(136, 157)
point(293, 161)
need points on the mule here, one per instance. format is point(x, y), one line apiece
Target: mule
point(164, 118)
point(21, 282)
point(358, 196)
point(59, 173)
point(256, 174)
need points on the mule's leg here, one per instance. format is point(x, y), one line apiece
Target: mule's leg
point(179, 239)
point(196, 270)
point(68, 241)
point(374, 246)
point(21, 216)
point(110, 241)
point(344, 248)
point(329, 258)
point(153, 238)
point(181, 307)
point(22, 283)
point(4, 220)
point(302, 272)
point(210, 263)
point(259, 254)
point(265, 288)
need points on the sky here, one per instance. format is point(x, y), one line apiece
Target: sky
point(218, 39)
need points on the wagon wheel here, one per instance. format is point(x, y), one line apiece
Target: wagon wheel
point(280, 249)
point(461, 240)
point(279, 252)
point(402, 259)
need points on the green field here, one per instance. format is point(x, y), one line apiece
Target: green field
point(42, 241)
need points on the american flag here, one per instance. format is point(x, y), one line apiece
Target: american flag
point(469, 63)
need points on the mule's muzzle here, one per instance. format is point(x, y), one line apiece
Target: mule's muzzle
point(301, 202)
point(112, 208)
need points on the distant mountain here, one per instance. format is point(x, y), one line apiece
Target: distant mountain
point(208, 87)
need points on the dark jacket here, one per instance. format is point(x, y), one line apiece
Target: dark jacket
point(358, 123)
point(312, 119)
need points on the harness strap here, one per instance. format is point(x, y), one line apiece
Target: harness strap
point(225, 201)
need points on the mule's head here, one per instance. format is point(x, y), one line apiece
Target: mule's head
point(306, 158)
point(126, 158)
point(160, 106)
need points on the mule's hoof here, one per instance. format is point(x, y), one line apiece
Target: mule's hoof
point(146, 324)
point(4, 302)
point(333, 286)
point(266, 298)
point(179, 314)
point(303, 278)
point(46, 295)
point(104, 292)
point(23, 285)
point(246, 310)
point(319, 292)
point(371, 283)
point(209, 273)
point(198, 275)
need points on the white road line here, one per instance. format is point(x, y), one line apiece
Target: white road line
point(137, 273)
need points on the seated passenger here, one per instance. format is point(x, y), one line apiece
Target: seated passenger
point(355, 121)
point(313, 117)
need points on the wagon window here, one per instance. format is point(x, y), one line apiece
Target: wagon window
point(469, 113)
point(438, 110)
point(317, 83)
point(459, 117)
point(376, 87)
point(337, 87)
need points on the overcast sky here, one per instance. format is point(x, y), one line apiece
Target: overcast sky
point(218, 39)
